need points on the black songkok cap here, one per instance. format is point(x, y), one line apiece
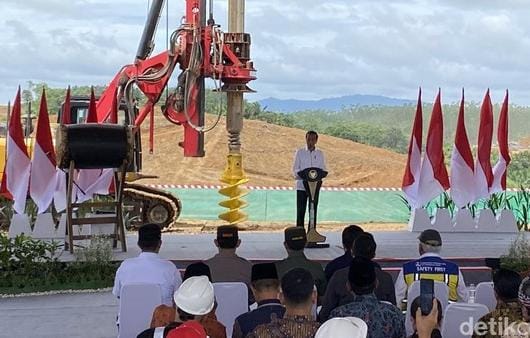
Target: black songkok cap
point(264, 271)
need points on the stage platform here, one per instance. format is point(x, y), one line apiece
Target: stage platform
point(393, 248)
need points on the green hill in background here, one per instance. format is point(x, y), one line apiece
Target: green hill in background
point(381, 126)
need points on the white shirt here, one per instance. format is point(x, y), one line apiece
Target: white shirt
point(148, 267)
point(303, 159)
point(401, 286)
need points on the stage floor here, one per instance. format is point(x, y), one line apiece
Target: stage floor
point(468, 250)
point(258, 246)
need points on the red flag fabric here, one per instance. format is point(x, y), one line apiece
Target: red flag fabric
point(18, 163)
point(500, 169)
point(3, 187)
point(433, 176)
point(483, 171)
point(65, 117)
point(412, 170)
point(43, 178)
point(92, 113)
point(462, 168)
point(113, 118)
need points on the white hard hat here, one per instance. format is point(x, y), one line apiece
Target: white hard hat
point(346, 327)
point(195, 296)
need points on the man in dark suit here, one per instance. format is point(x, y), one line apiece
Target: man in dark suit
point(265, 287)
point(349, 234)
point(337, 292)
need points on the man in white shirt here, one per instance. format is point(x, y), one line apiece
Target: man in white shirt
point(304, 158)
point(149, 267)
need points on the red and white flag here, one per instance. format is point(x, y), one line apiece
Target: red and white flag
point(433, 175)
point(462, 168)
point(43, 179)
point(92, 116)
point(411, 177)
point(59, 198)
point(93, 181)
point(483, 172)
point(86, 179)
point(18, 164)
point(500, 169)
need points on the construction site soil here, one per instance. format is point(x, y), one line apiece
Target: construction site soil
point(268, 152)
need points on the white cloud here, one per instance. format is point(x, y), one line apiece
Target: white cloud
point(301, 48)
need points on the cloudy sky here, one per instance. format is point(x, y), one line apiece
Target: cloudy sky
point(305, 49)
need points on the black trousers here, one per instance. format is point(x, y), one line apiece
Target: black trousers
point(302, 200)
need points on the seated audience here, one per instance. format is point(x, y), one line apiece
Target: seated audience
point(347, 327)
point(299, 297)
point(163, 314)
point(415, 308)
point(295, 241)
point(349, 234)
point(266, 288)
point(431, 266)
point(337, 292)
point(194, 300)
point(508, 310)
point(383, 320)
point(149, 267)
point(227, 266)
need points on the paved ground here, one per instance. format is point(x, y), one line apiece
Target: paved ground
point(79, 315)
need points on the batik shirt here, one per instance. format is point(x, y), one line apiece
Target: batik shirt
point(383, 320)
point(494, 323)
point(288, 327)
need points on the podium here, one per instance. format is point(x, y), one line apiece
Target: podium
point(312, 179)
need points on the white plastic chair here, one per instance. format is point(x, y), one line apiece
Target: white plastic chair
point(137, 303)
point(19, 224)
point(460, 318)
point(485, 294)
point(441, 292)
point(232, 300)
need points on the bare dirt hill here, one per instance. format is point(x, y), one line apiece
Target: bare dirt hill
point(268, 152)
point(3, 113)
